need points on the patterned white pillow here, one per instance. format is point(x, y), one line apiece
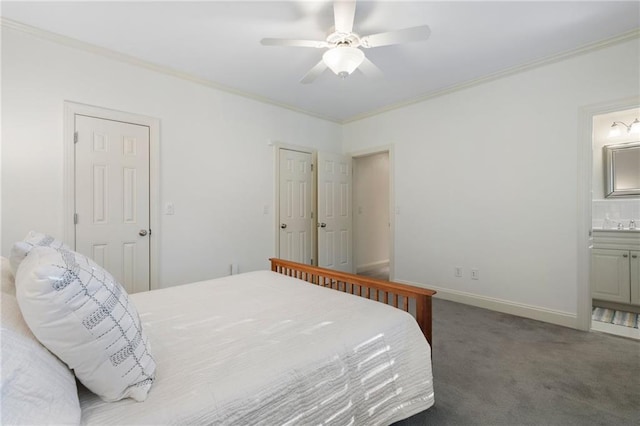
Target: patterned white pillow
point(77, 310)
point(37, 388)
point(33, 239)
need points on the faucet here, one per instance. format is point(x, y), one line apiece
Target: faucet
point(632, 224)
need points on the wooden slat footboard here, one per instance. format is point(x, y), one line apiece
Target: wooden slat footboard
point(415, 300)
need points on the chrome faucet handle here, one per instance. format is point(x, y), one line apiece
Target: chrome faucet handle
point(620, 225)
point(632, 224)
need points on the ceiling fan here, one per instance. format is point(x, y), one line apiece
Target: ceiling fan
point(343, 56)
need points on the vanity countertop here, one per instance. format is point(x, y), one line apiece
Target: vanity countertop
point(626, 239)
point(615, 231)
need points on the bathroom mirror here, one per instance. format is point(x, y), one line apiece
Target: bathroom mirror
point(622, 170)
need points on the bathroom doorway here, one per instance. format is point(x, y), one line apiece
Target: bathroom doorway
point(615, 254)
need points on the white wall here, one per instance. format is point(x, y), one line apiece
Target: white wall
point(216, 166)
point(616, 209)
point(371, 210)
point(486, 178)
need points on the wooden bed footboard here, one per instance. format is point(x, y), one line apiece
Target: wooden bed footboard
point(415, 300)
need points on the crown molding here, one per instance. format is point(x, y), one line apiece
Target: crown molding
point(627, 36)
point(121, 57)
point(131, 60)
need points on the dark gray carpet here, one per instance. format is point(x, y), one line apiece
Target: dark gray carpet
point(497, 369)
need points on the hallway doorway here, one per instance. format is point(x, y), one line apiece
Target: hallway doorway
point(372, 224)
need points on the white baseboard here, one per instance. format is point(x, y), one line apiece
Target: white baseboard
point(371, 266)
point(564, 319)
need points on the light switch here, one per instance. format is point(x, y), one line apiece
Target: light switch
point(169, 209)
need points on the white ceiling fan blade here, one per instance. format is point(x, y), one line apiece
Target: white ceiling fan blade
point(343, 13)
point(293, 43)
point(369, 69)
point(396, 37)
point(314, 73)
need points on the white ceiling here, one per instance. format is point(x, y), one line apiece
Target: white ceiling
point(220, 42)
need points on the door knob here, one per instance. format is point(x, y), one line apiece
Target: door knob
point(323, 225)
point(142, 232)
point(283, 226)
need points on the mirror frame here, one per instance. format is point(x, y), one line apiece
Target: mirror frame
point(610, 152)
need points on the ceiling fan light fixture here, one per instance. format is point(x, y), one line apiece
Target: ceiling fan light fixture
point(343, 60)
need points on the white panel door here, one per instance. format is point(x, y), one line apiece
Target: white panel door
point(334, 212)
point(112, 198)
point(296, 221)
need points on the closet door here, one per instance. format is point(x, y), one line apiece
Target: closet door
point(112, 198)
point(295, 226)
point(335, 236)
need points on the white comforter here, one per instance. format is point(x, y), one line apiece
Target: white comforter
point(263, 348)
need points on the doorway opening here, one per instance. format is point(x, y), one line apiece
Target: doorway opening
point(615, 254)
point(372, 213)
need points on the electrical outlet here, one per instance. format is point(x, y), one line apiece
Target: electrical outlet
point(457, 271)
point(475, 274)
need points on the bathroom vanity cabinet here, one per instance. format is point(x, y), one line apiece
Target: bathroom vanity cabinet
point(615, 266)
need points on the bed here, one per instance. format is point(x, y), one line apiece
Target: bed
point(416, 300)
point(267, 348)
point(264, 348)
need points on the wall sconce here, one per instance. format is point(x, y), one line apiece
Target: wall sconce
point(615, 129)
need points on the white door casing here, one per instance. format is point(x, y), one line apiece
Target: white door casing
point(112, 195)
point(335, 246)
point(295, 225)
